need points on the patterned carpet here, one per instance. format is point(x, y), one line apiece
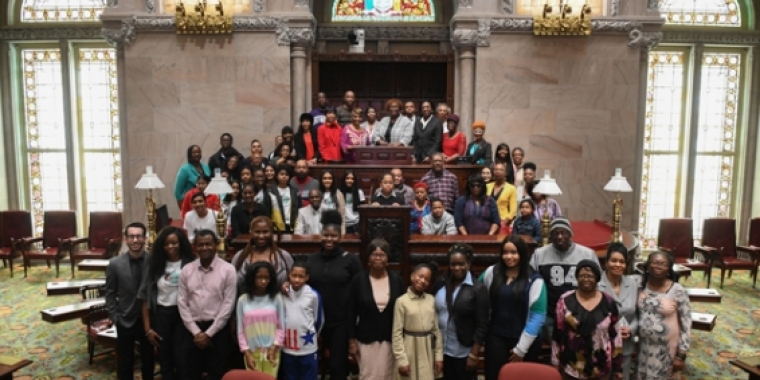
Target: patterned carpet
point(59, 351)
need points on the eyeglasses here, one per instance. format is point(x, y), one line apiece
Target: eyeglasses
point(135, 237)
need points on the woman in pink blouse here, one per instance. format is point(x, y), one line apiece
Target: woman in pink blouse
point(353, 135)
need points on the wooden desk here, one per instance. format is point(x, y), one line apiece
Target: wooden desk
point(383, 155)
point(702, 321)
point(703, 295)
point(6, 371)
point(93, 265)
point(71, 287)
point(749, 365)
point(68, 312)
point(368, 176)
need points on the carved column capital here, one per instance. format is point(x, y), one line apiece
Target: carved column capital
point(119, 34)
point(470, 36)
point(288, 34)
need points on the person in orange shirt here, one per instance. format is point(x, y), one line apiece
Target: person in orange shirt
point(328, 136)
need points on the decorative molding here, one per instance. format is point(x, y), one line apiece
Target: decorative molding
point(386, 33)
point(294, 36)
point(160, 23)
point(79, 33)
point(710, 37)
point(372, 57)
point(480, 37)
point(118, 37)
point(644, 40)
point(150, 6)
point(511, 24)
point(464, 3)
point(615, 7)
point(302, 3)
point(259, 6)
point(257, 23)
point(622, 26)
point(653, 5)
point(507, 6)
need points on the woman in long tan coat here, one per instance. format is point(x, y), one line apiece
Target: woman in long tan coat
point(417, 343)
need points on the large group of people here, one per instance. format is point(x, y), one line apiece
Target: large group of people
point(497, 199)
point(264, 312)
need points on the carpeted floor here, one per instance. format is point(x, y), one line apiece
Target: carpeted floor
point(59, 351)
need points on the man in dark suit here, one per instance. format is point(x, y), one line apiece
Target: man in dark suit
point(428, 134)
point(123, 277)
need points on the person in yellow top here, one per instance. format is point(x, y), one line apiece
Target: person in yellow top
point(505, 195)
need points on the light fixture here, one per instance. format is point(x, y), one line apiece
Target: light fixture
point(202, 22)
point(618, 184)
point(150, 181)
point(546, 186)
point(219, 186)
point(564, 23)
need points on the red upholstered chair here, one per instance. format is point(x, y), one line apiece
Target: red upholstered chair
point(14, 226)
point(239, 374)
point(59, 226)
point(527, 370)
point(675, 235)
point(754, 233)
point(719, 240)
point(103, 238)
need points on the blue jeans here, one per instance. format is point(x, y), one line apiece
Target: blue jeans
point(304, 367)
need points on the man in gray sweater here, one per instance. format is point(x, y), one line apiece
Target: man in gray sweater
point(438, 222)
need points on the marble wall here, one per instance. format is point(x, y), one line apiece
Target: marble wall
point(571, 104)
point(184, 90)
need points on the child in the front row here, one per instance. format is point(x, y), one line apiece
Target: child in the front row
point(417, 343)
point(304, 318)
point(527, 223)
point(260, 316)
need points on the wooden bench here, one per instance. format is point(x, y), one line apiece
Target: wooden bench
point(93, 265)
point(702, 321)
point(71, 287)
point(69, 312)
point(703, 295)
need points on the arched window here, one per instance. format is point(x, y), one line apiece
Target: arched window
point(701, 12)
point(693, 121)
point(61, 10)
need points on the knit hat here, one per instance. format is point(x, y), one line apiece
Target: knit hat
point(420, 185)
point(453, 117)
point(591, 264)
point(479, 124)
point(560, 222)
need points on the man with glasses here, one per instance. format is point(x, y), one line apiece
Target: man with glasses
point(123, 277)
point(556, 263)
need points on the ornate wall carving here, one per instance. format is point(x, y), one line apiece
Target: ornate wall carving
point(259, 6)
point(386, 33)
point(511, 24)
point(465, 3)
point(150, 6)
point(473, 37)
point(124, 34)
point(615, 7)
point(287, 35)
point(731, 38)
point(644, 40)
point(507, 6)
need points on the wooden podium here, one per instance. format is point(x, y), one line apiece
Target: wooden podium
point(383, 155)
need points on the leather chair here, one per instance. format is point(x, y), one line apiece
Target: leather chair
point(98, 322)
point(719, 240)
point(675, 235)
point(59, 226)
point(526, 370)
point(14, 225)
point(103, 238)
point(162, 218)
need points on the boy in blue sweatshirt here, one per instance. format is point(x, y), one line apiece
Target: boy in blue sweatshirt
point(304, 318)
point(527, 223)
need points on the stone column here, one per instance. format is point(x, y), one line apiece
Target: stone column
point(298, 93)
point(696, 93)
point(466, 107)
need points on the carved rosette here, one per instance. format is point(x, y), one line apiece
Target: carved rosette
point(124, 34)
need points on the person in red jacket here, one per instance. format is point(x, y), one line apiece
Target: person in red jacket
point(328, 136)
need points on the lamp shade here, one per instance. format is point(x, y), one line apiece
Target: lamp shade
point(218, 185)
point(149, 180)
point(618, 183)
point(547, 185)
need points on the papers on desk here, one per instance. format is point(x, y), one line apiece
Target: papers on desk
point(9, 360)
